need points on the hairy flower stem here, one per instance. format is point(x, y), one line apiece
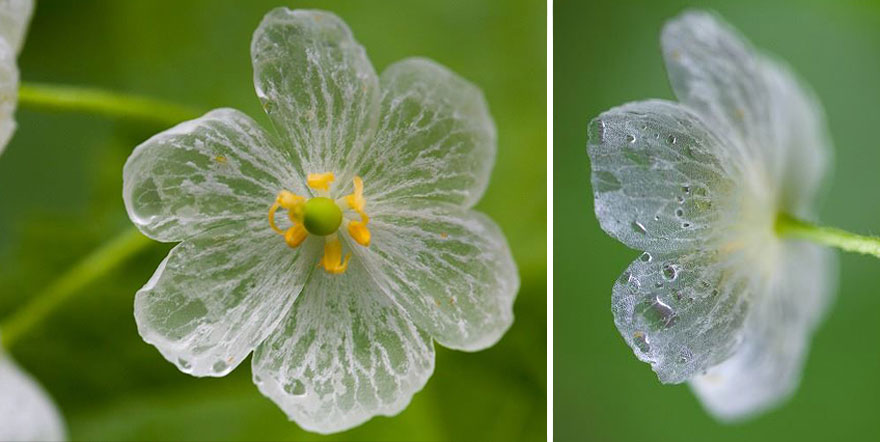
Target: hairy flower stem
point(787, 226)
point(60, 98)
point(95, 265)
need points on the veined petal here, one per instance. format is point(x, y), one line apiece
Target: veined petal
point(14, 18)
point(8, 93)
point(767, 367)
point(662, 180)
point(753, 99)
point(346, 353)
point(435, 141)
point(26, 411)
point(449, 268)
point(217, 296)
point(317, 85)
point(682, 313)
point(218, 169)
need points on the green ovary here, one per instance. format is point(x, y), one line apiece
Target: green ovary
point(321, 216)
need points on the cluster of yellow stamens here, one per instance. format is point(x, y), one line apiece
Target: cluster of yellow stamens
point(322, 216)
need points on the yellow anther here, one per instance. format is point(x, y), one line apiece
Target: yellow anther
point(295, 235)
point(332, 260)
point(320, 181)
point(286, 200)
point(356, 200)
point(359, 231)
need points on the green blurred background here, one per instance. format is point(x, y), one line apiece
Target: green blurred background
point(607, 53)
point(60, 197)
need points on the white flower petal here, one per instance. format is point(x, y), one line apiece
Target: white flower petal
point(317, 85)
point(214, 170)
point(662, 180)
point(14, 18)
point(682, 314)
point(216, 297)
point(345, 354)
point(449, 268)
point(8, 93)
point(754, 100)
point(435, 141)
point(766, 368)
point(26, 411)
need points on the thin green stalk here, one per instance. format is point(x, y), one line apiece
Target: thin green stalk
point(97, 264)
point(60, 98)
point(794, 228)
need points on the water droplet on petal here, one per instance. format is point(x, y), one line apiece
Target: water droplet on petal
point(685, 225)
point(657, 313)
point(183, 363)
point(670, 272)
point(630, 139)
point(679, 212)
point(671, 139)
point(220, 367)
point(295, 388)
point(686, 189)
point(645, 257)
point(641, 341)
point(638, 227)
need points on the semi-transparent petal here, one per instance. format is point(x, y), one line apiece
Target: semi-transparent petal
point(682, 313)
point(449, 268)
point(14, 18)
point(26, 411)
point(218, 169)
point(8, 93)
point(662, 180)
point(217, 296)
point(767, 367)
point(754, 100)
point(317, 85)
point(435, 140)
point(346, 353)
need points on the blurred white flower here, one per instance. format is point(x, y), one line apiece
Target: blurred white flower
point(14, 17)
point(718, 298)
point(26, 411)
point(337, 246)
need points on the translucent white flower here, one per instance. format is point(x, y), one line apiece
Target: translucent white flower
point(337, 246)
point(718, 298)
point(14, 17)
point(26, 411)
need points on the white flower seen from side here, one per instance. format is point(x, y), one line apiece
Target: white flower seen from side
point(26, 411)
point(14, 18)
point(338, 246)
point(718, 299)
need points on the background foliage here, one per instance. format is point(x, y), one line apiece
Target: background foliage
point(607, 53)
point(60, 196)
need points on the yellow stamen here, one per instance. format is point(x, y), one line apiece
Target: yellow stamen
point(356, 199)
point(332, 260)
point(358, 230)
point(293, 203)
point(320, 181)
point(295, 235)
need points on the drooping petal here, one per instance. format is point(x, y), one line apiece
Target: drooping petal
point(217, 296)
point(767, 367)
point(751, 98)
point(682, 313)
point(214, 170)
point(449, 268)
point(662, 180)
point(345, 354)
point(8, 93)
point(14, 18)
point(317, 85)
point(26, 411)
point(435, 141)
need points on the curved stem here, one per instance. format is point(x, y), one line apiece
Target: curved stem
point(60, 98)
point(794, 228)
point(98, 263)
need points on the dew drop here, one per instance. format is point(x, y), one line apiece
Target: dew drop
point(679, 213)
point(686, 189)
point(671, 139)
point(638, 227)
point(645, 257)
point(183, 363)
point(597, 131)
point(644, 127)
point(680, 199)
point(685, 225)
point(657, 313)
point(670, 272)
point(630, 139)
point(220, 367)
point(641, 341)
point(295, 388)
point(656, 217)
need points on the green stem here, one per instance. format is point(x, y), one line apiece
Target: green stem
point(829, 236)
point(60, 98)
point(101, 261)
